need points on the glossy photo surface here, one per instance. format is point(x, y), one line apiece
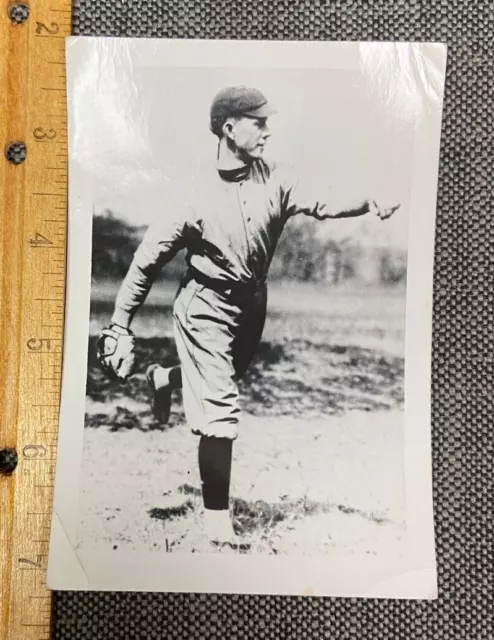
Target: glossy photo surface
point(246, 381)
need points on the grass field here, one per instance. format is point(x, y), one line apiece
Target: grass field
point(318, 464)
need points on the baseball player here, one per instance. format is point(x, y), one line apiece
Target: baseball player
point(229, 223)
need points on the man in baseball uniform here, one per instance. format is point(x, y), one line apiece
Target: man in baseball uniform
point(229, 223)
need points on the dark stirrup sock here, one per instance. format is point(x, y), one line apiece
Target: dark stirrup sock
point(215, 466)
point(176, 378)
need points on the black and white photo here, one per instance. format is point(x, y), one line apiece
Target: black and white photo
point(245, 401)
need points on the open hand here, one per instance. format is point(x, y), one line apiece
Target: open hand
point(382, 212)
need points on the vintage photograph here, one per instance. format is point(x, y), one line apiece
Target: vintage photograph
point(237, 356)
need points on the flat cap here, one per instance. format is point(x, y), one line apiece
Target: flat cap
point(241, 101)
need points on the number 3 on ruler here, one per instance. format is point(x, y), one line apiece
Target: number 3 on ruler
point(52, 29)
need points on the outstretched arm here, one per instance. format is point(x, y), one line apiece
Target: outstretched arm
point(160, 244)
point(301, 196)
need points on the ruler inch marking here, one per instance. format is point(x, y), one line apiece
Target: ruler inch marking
point(32, 99)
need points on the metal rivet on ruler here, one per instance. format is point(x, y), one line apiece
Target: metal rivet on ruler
point(18, 12)
point(8, 461)
point(15, 152)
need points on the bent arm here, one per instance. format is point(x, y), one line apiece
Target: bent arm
point(160, 244)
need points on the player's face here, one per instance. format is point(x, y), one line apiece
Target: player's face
point(249, 136)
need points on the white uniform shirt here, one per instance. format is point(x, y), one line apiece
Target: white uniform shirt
point(229, 223)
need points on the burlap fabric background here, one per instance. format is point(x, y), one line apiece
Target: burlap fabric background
point(462, 360)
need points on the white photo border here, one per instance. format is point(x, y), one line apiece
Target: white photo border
point(413, 575)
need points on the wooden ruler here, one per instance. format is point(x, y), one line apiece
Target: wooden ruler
point(33, 197)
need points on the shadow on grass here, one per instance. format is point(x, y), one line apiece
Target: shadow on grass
point(169, 513)
point(295, 377)
point(254, 516)
point(307, 379)
point(185, 503)
point(120, 418)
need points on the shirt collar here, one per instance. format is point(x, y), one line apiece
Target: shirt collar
point(234, 175)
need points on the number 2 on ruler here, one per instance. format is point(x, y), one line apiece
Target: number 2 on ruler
point(51, 30)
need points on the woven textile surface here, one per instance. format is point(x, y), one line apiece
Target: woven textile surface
point(462, 370)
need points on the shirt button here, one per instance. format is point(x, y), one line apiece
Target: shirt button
point(249, 219)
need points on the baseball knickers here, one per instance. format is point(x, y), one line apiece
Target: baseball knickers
point(216, 334)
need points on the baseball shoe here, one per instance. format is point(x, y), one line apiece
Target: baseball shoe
point(162, 397)
point(219, 530)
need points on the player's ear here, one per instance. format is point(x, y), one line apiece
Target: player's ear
point(229, 128)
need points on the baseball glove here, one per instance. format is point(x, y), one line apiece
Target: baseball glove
point(115, 352)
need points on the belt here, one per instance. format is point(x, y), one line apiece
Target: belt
point(232, 287)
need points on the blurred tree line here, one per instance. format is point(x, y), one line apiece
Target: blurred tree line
point(301, 255)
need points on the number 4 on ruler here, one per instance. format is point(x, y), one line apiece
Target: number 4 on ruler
point(39, 240)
